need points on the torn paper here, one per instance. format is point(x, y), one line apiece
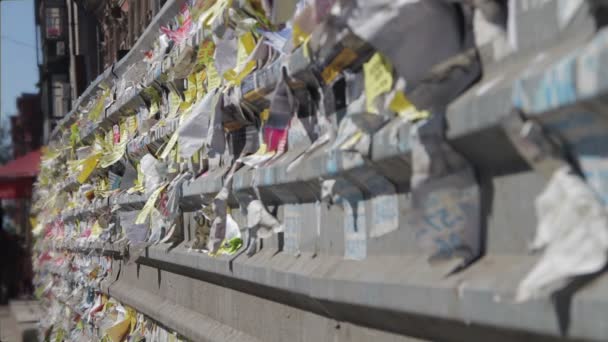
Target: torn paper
point(193, 131)
point(572, 230)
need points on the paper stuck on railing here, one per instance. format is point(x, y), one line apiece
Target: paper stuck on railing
point(115, 152)
point(281, 111)
point(158, 226)
point(341, 61)
point(244, 64)
point(572, 230)
point(260, 223)
point(192, 133)
point(325, 131)
point(232, 228)
point(225, 54)
point(145, 213)
point(401, 105)
point(154, 172)
point(216, 137)
point(202, 227)
point(258, 158)
point(214, 80)
point(445, 196)
point(355, 131)
point(233, 241)
point(100, 105)
point(218, 226)
point(378, 80)
point(118, 331)
point(259, 219)
point(205, 54)
point(88, 166)
point(407, 32)
point(136, 234)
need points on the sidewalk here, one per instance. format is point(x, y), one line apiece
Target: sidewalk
point(9, 332)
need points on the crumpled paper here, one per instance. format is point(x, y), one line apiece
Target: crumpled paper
point(192, 134)
point(218, 225)
point(260, 223)
point(154, 173)
point(572, 230)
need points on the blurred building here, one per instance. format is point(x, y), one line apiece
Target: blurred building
point(26, 126)
point(16, 179)
point(79, 40)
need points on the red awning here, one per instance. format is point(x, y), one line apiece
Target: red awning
point(23, 167)
point(17, 176)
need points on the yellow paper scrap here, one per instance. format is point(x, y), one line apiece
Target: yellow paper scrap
point(245, 46)
point(262, 150)
point(95, 112)
point(190, 93)
point(351, 141)
point(235, 77)
point(170, 144)
point(147, 209)
point(205, 53)
point(199, 8)
point(116, 151)
point(138, 185)
point(109, 137)
point(378, 80)
point(132, 125)
point(200, 88)
point(184, 106)
point(341, 61)
point(174, 102)
point(213, 78)
point(118, 332)
point(403, 107)
point(74, 134)
point(298, 35)
point(306, 47)
point(33, 221)
point(60, 335)
point(196, 157)
point(132, 315)
point(214, 11)
point(88, 167)
point(154, 108)
point(96, 229)
point(106, 303)
point(124, 128)
point(102, 188)
point(37, 230)
point(265, 114)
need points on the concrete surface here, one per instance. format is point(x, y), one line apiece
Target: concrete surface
point(9, 331)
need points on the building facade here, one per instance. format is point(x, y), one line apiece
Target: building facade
point(80, 39)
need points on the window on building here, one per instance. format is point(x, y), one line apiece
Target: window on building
point(53, 23)
point(51, 49)
point(61, 48)
point(61, 98)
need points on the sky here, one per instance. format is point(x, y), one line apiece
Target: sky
point(19, 71)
